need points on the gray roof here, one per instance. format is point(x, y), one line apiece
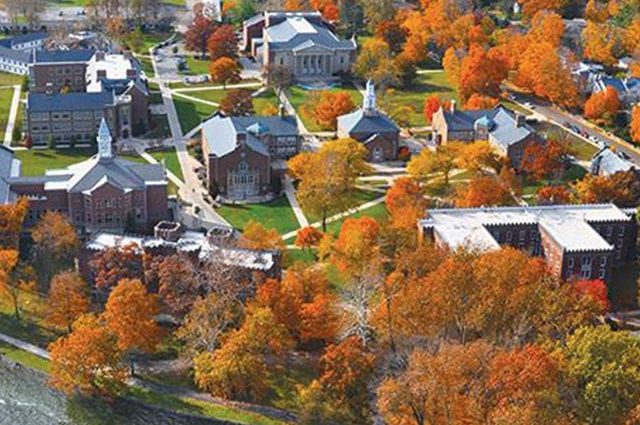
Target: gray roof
point(608, 162)
point(53, 56)
point(359, 122)
point(503, 131)
point(9, 166)
point(17, 55)
point(41, 102)
point(23, 38)
point(297, 32)
point(221, 132)
point(120, 173)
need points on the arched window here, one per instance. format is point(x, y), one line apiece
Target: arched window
point(243, 166)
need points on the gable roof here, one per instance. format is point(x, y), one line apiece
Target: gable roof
point(23, 38)
point(220, 132)
point(359, 122)
point(9, 167)
point(297, 32)
point(42, 102)
point(608, 162)
point(22, 56)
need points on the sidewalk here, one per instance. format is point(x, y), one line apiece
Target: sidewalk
point(290, 192)
point(13, 114)
point(25, 346)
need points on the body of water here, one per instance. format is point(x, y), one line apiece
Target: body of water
point(25, 399)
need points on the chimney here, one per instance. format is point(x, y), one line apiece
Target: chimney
point(520, 119)
point(131, 73)
point(101, 73)
point(452, 107)
point(99, 55)
point(282, 111)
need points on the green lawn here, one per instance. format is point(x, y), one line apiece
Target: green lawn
point(147, 66)
point(294, 255)
point(260, 102)
point(192, 406)
point(423, 86)
point(6, 95)
point(378, 212)
point(360, 197)
point(159, 127)
point(197, 66)
point(24, 358)
point(170, 158)
point(36, 161)
point(150, 39)
point(582, 150)
point(575, 172)
point(275, 214)
point(191, 113)
point(515, 107)
point(299, 98)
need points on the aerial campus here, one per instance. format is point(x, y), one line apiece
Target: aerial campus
point(319, 212)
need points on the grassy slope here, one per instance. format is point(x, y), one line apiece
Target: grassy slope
point(171, 161)
point(299, 98)
point(36, 161)
point(191, 113)
point(6, 95)
point(216, 95)
point(360, 197)
point(275, 214)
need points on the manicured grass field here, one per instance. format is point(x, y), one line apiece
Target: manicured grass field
point(582, 150)
point(6, 96)
point(191, 113)
point(170, 158)
point(299, 98)
point(7, 79)
point(378, 212)
point(260, 102)
point(150, 39)
point(36, 161)
point(359, 198)
point(181, 85)
point(198, 66)
point(24, 358)
point(147, 66)
point(276, 214)
point(423, 86)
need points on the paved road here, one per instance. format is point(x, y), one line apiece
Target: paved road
point(13, 114)
point(561, 118)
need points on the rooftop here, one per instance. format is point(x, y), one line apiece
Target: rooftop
point(42, 102)
point(63, 56)
point(297, 32)
point(115, 67)
point(608, 162)
point(9, 168)
point(568, 225)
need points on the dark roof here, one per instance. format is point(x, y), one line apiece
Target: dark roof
point(23, 38)
point(275, 125)
point(40, 102)
point(463, 120)
point(57, 56)
point(6, 168)
point(16, 55)
point(359, 122)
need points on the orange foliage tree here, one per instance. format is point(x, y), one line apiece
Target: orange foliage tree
point(256, 236)
point(635, 124)
point(225, 70)
point(544, 160)
point(198, 33)
point(308, 237)
point(178, 285)
point(621, 188)
point(596, 290)
point(481, 72)
point(87, 360)
point(405, 202)
point(477, 101)
point(330, 105)
point(55, 245)
point(8, 283)
point(432, 104)
point(130, 313)
point(603, 106)
point(110, 266)
point(531, 7)
point(550, 195)
point(223, 42)
point(11, 219)
point(237, 102)
point(484, 191)
point(68, 299)
point(356, 243)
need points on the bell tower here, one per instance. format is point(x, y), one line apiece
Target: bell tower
point(369, 101)
point(104, 142)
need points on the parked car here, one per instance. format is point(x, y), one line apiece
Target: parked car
point(624, 155)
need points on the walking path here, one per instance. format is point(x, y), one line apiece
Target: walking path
point(196, 99)
point(25, 346)
point(229, 86)
point(290, 192)
point(13, 114)
point(175, 179)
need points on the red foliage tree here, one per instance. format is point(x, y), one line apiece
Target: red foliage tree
point(550, 195)
point(432, 104)
point(596, 290)
point(198, 33)
point(223, 43)
point(331, 105)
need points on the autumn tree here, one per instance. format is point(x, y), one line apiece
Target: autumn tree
point(393, 34)
point(477, 101)
point(256, 236)
point(225, 70)
point(546, 26)
point(11, 220)
point(442, 162)
point(531, 7)
point(405, 202)
point(308, 237)
point(114, 264)
point(376, 11)
point(178, 285)
point(55, 245)
point(604, 364)
point(481, 72)
point(375, 63)
point(634, 128)
point(483, 191)
point(621, 188)
point(277, 78)
point(238, 370)
point(9, 285)
point(553, 195)
point(68, 299)
point(603, 106)
point(346, 369)
point(432, 104)
point(328, 176)
point(87, 360)
point(210, 317)
point(222, 43)
point(197, 36)
point(596, 290)
point(544, 160)
point(237, 103)
point(330, 106)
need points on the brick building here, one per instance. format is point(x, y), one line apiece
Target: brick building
point(240, 152)
point(103, 192)
point(53, 71)
point(577, 241)
point(506, 130)
point(371, 127)
point(16, 53)
point(303, 42)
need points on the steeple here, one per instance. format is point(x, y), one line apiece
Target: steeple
point(104, 141)
point(369, 101)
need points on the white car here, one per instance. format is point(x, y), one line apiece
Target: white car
point(529, 105)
